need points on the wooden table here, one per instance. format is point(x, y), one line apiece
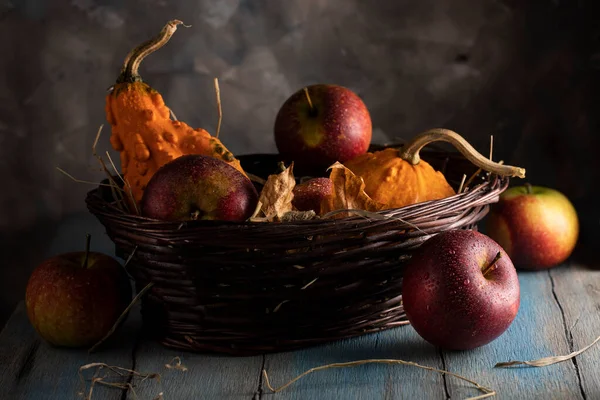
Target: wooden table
point(560, 313)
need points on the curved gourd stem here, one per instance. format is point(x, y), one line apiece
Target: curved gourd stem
point(410, 151)
point(129, 71)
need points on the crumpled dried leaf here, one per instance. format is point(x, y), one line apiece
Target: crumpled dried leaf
point(276, 196)
point(544, 362)
point(348, 194)
point(295, 215)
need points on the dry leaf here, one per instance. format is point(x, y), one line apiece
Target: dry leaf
point(348, 193)
point(294, 215)
point(276, 196)
point(544, 362)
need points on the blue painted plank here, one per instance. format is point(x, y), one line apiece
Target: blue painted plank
point(373, 381)
point(31, 369)
point(207, 377)
point(536, 332)
point(577, 290)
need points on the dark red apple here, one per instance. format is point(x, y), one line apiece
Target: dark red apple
point(456, 293)
point(537, 226)
point(73, 300)
point(199, 187)
point(309, 195)
point(322, 124)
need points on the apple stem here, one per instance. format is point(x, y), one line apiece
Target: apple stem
point(529, 188)
point(410, 151)
point(88, 239)
point(492, 265)
point(310, 103)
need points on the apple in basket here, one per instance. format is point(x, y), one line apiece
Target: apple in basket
point(309, 195)
point(199, 187)
point(321, 124)
point(460, 290)
point(537, 226)
point(73, 299)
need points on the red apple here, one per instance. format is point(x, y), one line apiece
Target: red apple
point(199, 187)
point(309, 195)
point(537, 226)
point(457, 293)
point(322, 124)
point(73, 300)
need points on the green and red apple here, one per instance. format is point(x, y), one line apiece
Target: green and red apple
point(537, 226)
point(321, 124)
point(197, 187)
point(74, 299)
point(460, 290)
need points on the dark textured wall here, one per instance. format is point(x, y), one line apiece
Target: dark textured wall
point(522, 72)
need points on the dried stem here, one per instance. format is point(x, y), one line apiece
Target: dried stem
point(79, 180)
point(529, 188)
point(129, 71)
point(476, 173)
point(121, 317)
point(219, 108)
point(410, 152)
point(491, 266)
point(125, 183)
point(310, 103)
point(116, 190)
point(487, 392)
point(462, 184)
point(544, 362)
point(118, 371)
point(88, 239)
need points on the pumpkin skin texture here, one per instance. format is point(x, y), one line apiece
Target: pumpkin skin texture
point(392, 181)
point(142, 129)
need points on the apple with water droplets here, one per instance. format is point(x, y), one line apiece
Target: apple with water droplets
point(321, 124)
point(460, 290)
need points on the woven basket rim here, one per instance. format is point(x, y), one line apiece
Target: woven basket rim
point(479, 193)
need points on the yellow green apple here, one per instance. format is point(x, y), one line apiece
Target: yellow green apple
point(537, 226)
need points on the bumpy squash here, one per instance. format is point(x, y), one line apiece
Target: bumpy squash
point(142, 129)
point(398, 177)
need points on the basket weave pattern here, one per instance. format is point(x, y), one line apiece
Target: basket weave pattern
point(249, 288)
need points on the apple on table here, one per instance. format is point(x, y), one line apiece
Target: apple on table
point(537, 226)
point(460, 290)
point(74, 299)
point(321, 124)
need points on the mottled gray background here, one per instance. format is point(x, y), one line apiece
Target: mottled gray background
point(522, 72)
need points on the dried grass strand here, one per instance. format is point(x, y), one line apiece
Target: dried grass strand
point(114, 187)
point(116, 370)
point(125, 183)
point(121, 317)
point(487, 392)
point(219, 107)
point(544, 362)
point(175, 363)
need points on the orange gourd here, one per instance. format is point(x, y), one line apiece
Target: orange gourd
point(142, 129)
point(398, 177)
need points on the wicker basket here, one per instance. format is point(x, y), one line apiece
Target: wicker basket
point(248, 288)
